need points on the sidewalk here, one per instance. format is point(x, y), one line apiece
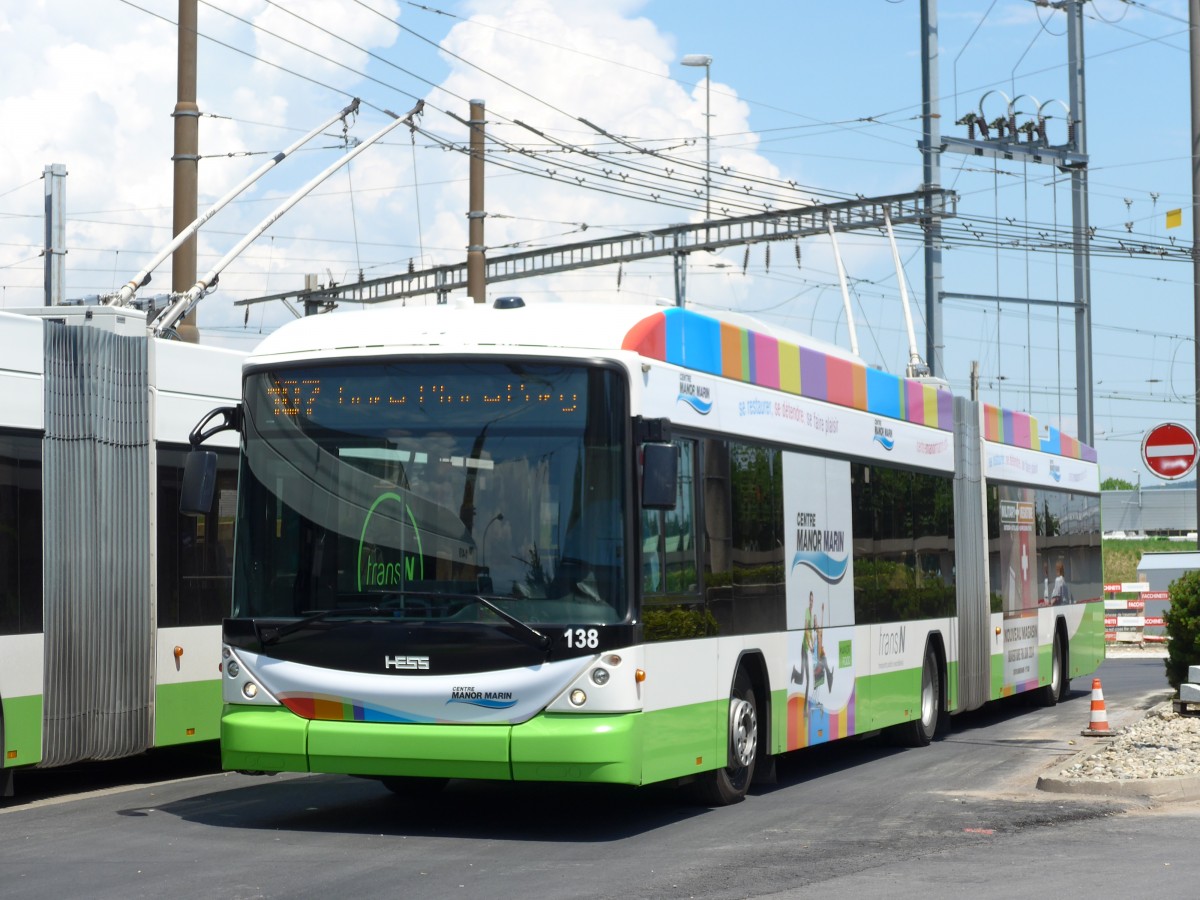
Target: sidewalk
point(1155, 758)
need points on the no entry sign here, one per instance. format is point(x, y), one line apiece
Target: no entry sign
point(1169, 451)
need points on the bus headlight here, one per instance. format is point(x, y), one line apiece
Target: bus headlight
point(600, 676)
point(232, 668)
point(249, 690)
point(578, 697)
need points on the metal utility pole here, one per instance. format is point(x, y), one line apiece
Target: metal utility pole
point(931, 169)
point(1194, 51)
point(1079, 215)
point(1071, 157)
point(55, 248)
point(186, 159)
point(476, 282)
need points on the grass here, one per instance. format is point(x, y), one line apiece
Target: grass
point(1121, 557)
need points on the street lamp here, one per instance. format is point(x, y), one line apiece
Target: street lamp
point(698, 60)
point(498, 517)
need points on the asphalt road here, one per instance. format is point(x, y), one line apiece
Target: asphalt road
point(859, 819)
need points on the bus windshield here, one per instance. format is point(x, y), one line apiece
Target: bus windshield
point(412, 489)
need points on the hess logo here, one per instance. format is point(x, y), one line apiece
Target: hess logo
point(406, 662)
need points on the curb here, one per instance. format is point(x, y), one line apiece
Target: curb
point(1178, 788)
point(1164, 788)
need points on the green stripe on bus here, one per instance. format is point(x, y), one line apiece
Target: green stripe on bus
point(186, 712)
point(22, 731)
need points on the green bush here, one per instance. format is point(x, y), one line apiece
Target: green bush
point(676, 623)
point(1183, 628)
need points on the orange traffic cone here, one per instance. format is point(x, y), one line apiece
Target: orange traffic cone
point(1098, 727)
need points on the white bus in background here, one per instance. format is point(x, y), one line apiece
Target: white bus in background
point(110, 601)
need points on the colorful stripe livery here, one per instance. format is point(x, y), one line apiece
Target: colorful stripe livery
point(330, 708)
point(694, 341)
point(1018, 429)
point(810, 723)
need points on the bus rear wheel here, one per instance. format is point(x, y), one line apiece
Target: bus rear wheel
point(728, 785)
point(920, 731)
point(1049, 694)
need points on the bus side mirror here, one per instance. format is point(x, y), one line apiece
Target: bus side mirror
point(660, 474)
point(199, 481)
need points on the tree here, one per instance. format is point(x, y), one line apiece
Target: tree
point(1115, 484)
point(1183, 627)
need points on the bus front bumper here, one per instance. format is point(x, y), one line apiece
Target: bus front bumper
point(549, 747)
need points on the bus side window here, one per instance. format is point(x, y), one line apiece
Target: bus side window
point(669, 536)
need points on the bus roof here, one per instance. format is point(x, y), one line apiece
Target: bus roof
point(726, 344)
point(591, 326)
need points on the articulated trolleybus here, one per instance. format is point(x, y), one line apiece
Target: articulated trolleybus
point(628, 545)
point(110, 600)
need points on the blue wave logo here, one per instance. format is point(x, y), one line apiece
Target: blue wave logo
point(829, 569)
point(484, 702)
point(883, 435)
point(1055, 471)
point(704, 407)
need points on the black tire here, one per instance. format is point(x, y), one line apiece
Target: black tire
point(1049, 694)
point(414, 788)
point(727, 785)
point(920, 731)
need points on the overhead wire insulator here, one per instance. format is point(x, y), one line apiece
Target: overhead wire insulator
point(768, 257)
point(798, 255)
point(746, 260)
point(620, 272)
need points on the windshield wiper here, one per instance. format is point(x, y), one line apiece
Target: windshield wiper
point(536, 638)
point(271, 635)
point(526, 632)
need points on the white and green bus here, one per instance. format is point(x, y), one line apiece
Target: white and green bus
point(110, 600)
point(631, 545)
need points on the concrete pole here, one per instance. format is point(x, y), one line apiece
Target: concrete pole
point(476, 286)
point(55, 248)
point(186, 160)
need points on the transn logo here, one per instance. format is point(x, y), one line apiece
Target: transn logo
point(406, 662)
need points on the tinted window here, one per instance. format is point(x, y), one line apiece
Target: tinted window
point(20, 533)
point(195, 554)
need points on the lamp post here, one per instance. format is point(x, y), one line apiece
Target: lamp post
point(698, 60)
point(498, 517)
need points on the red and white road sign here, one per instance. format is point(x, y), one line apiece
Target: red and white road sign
point(1170, 451)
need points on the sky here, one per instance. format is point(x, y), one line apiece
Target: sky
point(596, 129)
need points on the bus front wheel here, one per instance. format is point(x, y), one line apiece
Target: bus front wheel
point(727, 785)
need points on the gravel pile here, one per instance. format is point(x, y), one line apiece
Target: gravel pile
point(1163, 743)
